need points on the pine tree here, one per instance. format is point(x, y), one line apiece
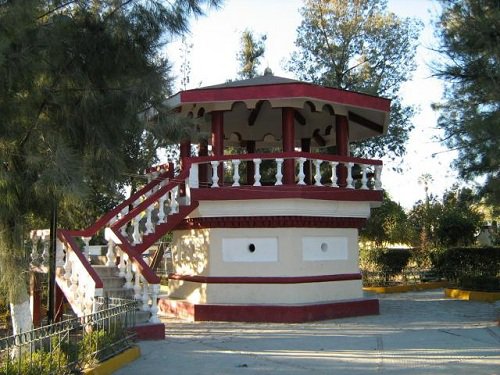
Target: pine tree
point(469, 34)
point(252, 50)
point(358, 45)
point(77, 79)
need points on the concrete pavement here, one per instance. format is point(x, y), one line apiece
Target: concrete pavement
point(415, 333)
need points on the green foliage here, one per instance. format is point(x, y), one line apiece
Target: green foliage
point(469, 36)
point(453, 221)
point(470, 268)
point(99, 345)
point(384, 263)
point(78, 81)
point(40, 362)
point(252, 50)
point(360, 45)
point(387, 224)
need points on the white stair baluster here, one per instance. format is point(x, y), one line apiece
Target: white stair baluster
point(86, 249)
point(136, 235)
point(317, 175)
point(149, 223)
point(194, 181)
point(364, 179)
point(128, 272)
point(137, 283)
point(334, 179)
point(67, 269)
point(279, 172)
point(122, 266)
point(215, 173)
point(236, 172)
point(349, 179)
point(378, 181)
point(174, 205)
point(145, 295)
point(187, 187)
point(257, 176)
point(161, 209)
point(110, 254)
point(301, 174)
point(35, 256)
point(154, 303)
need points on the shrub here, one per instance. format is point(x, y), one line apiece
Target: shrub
point(469, 268)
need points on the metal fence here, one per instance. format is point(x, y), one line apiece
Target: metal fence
point(69, 346)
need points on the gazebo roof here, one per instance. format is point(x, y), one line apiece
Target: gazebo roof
point(260, 99)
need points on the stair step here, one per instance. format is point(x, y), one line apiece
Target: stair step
point(104, 271)
point(114, 282)
point(118, 293)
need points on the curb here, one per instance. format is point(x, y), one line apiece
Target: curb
point(469, 295)
point(118, 361)
point(406, 288)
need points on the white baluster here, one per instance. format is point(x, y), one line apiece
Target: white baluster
point(236, 172)
point(194, 181)
point(110, 254)
point(137, 282)
point(123, 230)
point(59, 254)
point(301, 174)
point(364, 179)
point(378, 181)
point(145, 295)
point(161, 209)
point(154, 303)
point(257, 176)
point(136, 235)
point(333, 165)
point(128, 272)
point(174, 205)
point(86, 248)
point(149, 224)
point(215, 173)
point(122, 266)
point(317, 175)
point(279, 172)
point(349, 179)
point(187, 198)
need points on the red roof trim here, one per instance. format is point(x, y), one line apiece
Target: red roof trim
point(285, 91)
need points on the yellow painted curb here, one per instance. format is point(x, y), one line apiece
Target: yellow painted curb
point(469, 295)
point(406, 288)
point(111, 365)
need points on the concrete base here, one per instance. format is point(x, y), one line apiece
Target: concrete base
point(270, 313)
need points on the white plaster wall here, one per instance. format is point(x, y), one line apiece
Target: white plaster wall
point(284, 293)
point(290, 252)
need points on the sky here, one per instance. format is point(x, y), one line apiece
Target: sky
point(216, 42)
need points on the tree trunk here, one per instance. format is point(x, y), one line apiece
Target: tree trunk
point(21, 314)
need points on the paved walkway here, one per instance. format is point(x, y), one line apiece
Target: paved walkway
point(416, 333)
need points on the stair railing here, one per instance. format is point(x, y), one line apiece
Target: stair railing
point(75, 276)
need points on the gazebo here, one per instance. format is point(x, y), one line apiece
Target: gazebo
point(274, 236)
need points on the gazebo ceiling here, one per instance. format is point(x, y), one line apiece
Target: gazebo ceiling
point(252, 110)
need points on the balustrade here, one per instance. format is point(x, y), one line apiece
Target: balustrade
point(349, 173)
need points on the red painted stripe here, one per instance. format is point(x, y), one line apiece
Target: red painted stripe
point(284, 91)
point(271, 222)
point(265, 279)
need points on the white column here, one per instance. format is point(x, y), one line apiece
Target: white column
point(301, 174)
point(317, 175)
point(136, 235)
point(349, 179)
point(333, 165)
point(194, 181)
point(121, 266)
point(364, 179)
point(154, 303)
point(236, 172)
point(279, 172)
point(215, 176)
point(110, 254)
point(128, 272)
point(257, 176)
point(378, 181)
